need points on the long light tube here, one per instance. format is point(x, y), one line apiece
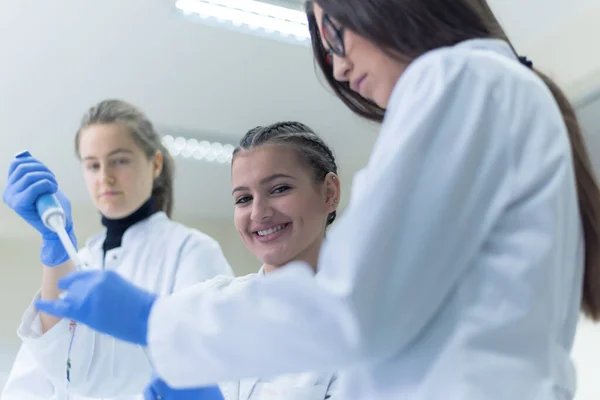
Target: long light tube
point(200, 150)
point(255, 15)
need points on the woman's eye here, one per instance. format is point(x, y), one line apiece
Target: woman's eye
point(120, 161)
point(281, 189)
point(242, 200)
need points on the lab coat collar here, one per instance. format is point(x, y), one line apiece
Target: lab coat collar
point(95, 242)
point(261, 271)
point(496, 45)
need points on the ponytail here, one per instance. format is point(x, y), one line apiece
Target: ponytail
point(589, 203)
point(162, 189)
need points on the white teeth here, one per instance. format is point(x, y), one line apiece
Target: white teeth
point(271, 230)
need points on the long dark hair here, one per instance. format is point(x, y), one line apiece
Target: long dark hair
point(409, 28)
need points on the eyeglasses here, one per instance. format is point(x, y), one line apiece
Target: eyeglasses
point(334, 37)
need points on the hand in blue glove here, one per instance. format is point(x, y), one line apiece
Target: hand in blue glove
point(28, 179)
point(158, 389)
point(105, 302)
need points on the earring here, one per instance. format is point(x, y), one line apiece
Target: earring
point(334, 203)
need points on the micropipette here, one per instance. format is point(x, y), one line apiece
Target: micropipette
point(53, 216)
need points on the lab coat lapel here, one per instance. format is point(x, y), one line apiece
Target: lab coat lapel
point(92, 255)
point(246, 388)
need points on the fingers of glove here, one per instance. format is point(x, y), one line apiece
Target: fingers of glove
point(25, 193)
point(21, 166)
point(43, 179)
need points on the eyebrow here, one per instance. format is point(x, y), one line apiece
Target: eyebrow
point(112, 153)
point(268, 179)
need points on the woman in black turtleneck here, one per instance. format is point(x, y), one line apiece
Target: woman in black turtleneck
point(129, 176)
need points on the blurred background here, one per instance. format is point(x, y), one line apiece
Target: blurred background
point(205, 82)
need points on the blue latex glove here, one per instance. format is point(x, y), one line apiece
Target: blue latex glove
point(105, 302)
point(158, 389)
point(28, 179)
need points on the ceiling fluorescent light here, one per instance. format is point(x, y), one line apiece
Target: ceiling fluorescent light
point(255, 15)
point(200, 150)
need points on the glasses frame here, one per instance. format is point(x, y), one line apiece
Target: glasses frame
point(335, 44)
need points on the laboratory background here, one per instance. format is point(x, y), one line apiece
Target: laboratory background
point(205, 72)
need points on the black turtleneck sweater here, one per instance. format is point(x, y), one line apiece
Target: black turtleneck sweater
point(115, 228)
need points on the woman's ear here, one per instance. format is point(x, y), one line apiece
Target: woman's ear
point(332, 192)
point(157, 164)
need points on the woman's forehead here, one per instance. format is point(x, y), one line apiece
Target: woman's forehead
point(265, 160)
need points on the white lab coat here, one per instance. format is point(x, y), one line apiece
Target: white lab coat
point(303, 386)
point(157, 254)
point(455, 272)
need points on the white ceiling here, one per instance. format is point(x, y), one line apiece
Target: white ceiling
point(60, 57)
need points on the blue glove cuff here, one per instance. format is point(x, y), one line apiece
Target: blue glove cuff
point(53, 252)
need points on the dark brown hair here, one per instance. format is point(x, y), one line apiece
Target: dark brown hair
point(406, 29)
point(310, 147)
point(144, 135)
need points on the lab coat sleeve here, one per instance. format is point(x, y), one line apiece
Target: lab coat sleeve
point(438, 179)
point(102, 366)
point(202, 259)
point(26, 380)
